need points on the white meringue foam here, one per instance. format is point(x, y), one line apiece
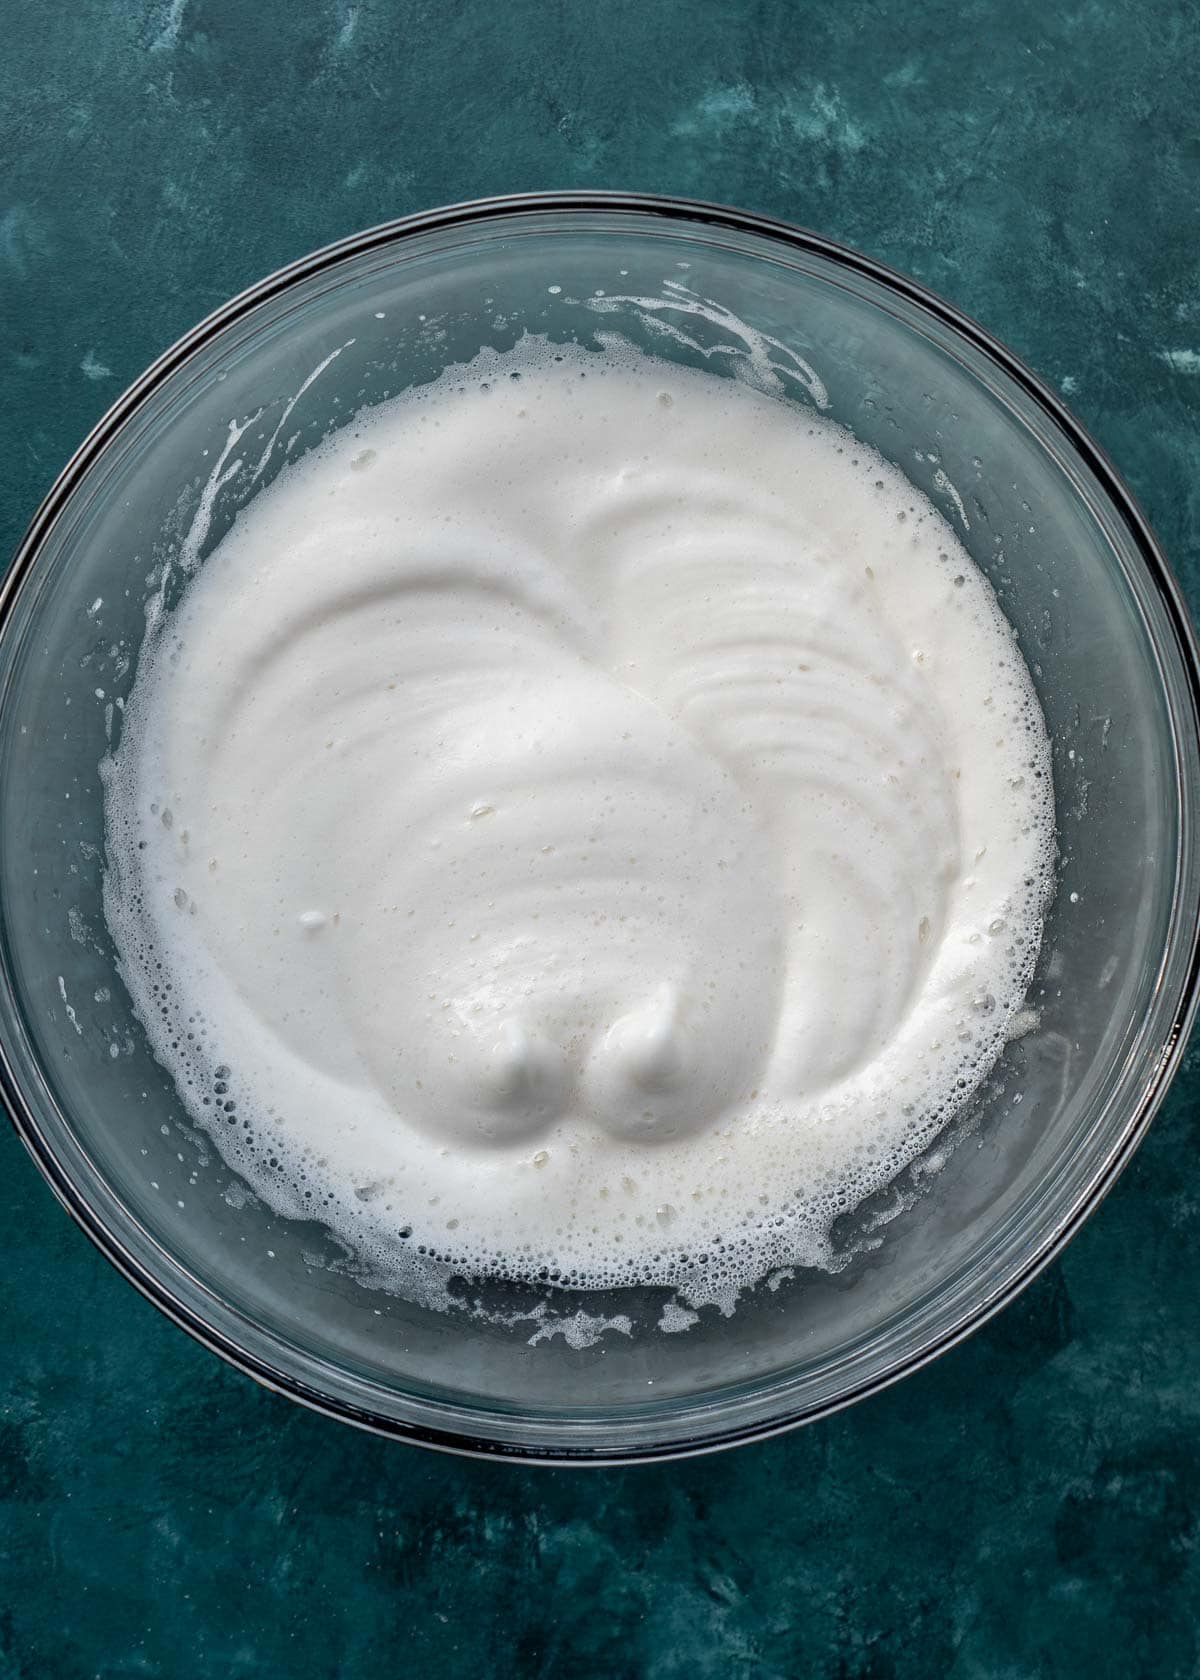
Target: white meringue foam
point(587, 820)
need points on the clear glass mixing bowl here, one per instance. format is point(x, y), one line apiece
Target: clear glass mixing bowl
point(1100, 622)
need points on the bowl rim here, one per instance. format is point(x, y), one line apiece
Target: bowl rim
point(1049, 1243)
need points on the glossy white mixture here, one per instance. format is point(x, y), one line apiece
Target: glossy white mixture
point(591, 816)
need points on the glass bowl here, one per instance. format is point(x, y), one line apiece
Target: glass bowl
point(1101, 624)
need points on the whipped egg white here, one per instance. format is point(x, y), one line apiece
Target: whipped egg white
point(589, 818)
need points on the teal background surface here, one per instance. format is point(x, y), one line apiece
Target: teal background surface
point(1029, 1507)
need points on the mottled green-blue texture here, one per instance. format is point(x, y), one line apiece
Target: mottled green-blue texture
point(1029, 1507)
